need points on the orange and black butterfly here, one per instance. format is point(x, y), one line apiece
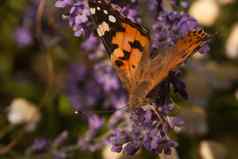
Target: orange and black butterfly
point(128, 45)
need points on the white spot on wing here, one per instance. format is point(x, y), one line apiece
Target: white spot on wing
point(102, 28)
point(112, 18)
point(98, 8)
point(92, 10)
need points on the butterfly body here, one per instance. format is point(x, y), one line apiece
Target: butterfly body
point(128, 45)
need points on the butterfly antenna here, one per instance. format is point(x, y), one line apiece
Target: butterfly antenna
point(123, 108)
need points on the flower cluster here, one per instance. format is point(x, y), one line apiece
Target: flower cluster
point(90, 86)
point(143, 130)
point(54, 148)
point(78, 14)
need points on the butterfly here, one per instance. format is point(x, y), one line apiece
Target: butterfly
point(128, 45)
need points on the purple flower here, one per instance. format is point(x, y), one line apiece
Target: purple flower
point(40, 145)
point(90, 44)
point(106, 77)
point(175, 122)
point(144, 130)
point(170, 26)
point(78, 17)
point(119, 137)
point(116, 148)
point(86, 141)
point(95, 122)
point(155, 6)
point(23, 36)
point(131, 12)
point(186, 23)
point(82, 90)
point(131, 148)
point(62, 3)
point(119, 101)
point(89, 86)
point(165, 145)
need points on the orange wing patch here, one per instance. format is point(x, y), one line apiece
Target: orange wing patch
point(130, 46)
point(124, 40)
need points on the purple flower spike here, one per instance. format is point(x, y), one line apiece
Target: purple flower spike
point(78, 15)
point(82, 90)
point(139, 134)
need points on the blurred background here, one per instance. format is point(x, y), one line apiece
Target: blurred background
point(38, 54)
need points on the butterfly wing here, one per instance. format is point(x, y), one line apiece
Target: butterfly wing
point(155, 70)
point(160, 66)
point(125, 41)
point(127, 44)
